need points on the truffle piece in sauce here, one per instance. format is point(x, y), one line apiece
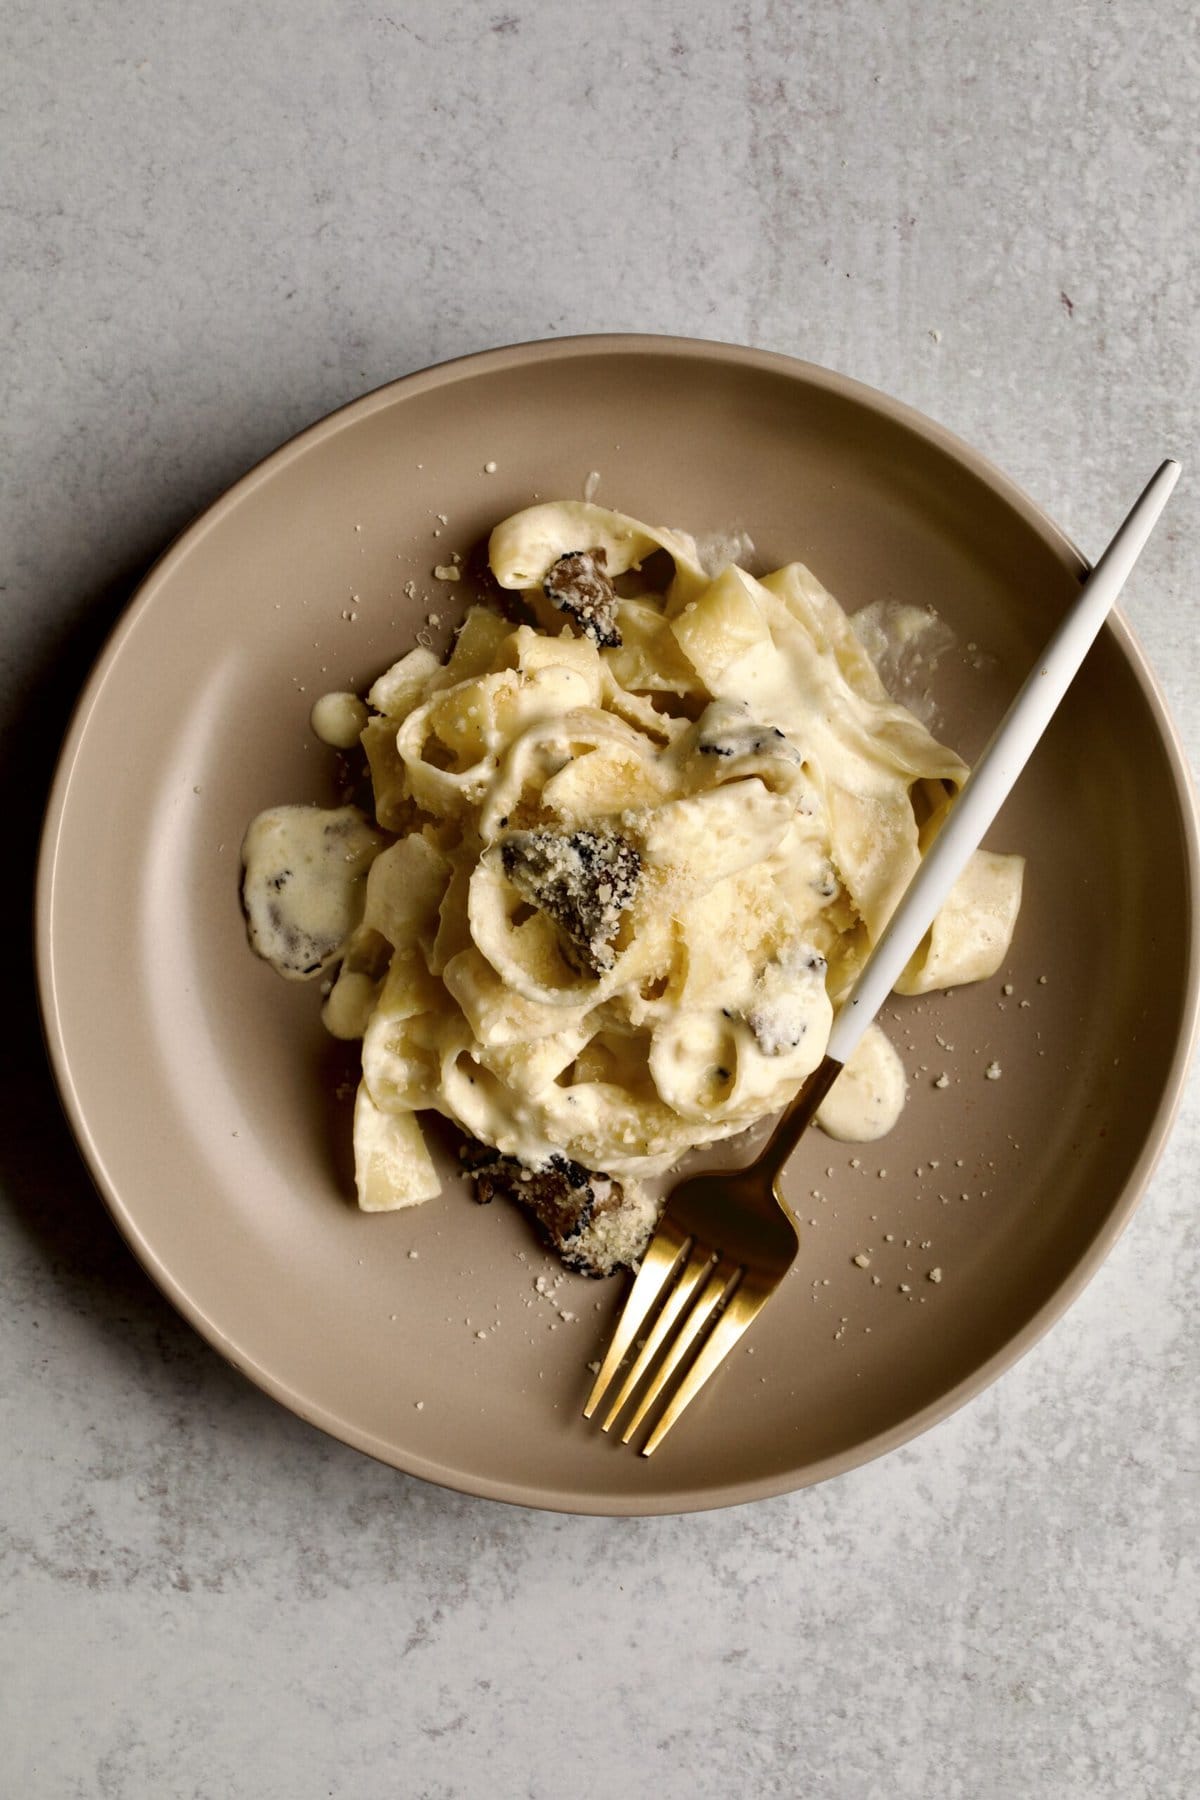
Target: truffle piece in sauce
point(583, 880)
point(579, 585)
point(582, 1215)
point(305, 883)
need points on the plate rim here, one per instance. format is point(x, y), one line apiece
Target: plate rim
point(454, 369)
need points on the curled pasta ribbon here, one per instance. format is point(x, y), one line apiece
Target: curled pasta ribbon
point(451, 746)
point(584, 764)
point(527, 951)
point(523, 549)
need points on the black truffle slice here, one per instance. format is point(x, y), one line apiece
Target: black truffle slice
point(566, 1200)
point(583, 880)
point(579, 585)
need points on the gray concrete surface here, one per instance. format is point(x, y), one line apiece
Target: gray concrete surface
point(219, 222)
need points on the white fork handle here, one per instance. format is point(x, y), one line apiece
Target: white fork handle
point(988, 785)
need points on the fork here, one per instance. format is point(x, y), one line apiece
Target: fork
point(726, 1240)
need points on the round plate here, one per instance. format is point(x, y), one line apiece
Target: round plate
point(205, 1096)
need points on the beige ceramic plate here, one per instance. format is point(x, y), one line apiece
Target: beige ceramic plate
point(200, 1086)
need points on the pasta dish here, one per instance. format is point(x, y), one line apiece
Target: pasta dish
point(625, 859)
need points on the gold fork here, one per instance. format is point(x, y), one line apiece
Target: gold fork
point(722, 1247)
point(725, 1241)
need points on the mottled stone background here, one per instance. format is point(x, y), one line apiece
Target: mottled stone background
point(217, 223)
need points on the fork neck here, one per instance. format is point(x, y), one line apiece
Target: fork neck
point(796, 1120)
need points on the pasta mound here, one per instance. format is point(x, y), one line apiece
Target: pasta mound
point(633, 866)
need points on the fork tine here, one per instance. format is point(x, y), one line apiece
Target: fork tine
point(663, 1255)
point(720, 1284)
point(742, 1308)
point(697, 1266)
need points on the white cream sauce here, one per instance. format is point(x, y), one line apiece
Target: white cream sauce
point(347, 1011)
point(905, 643)
point(305, 883)
point(338, 720)
point(868, 1096)
point(715, 550)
